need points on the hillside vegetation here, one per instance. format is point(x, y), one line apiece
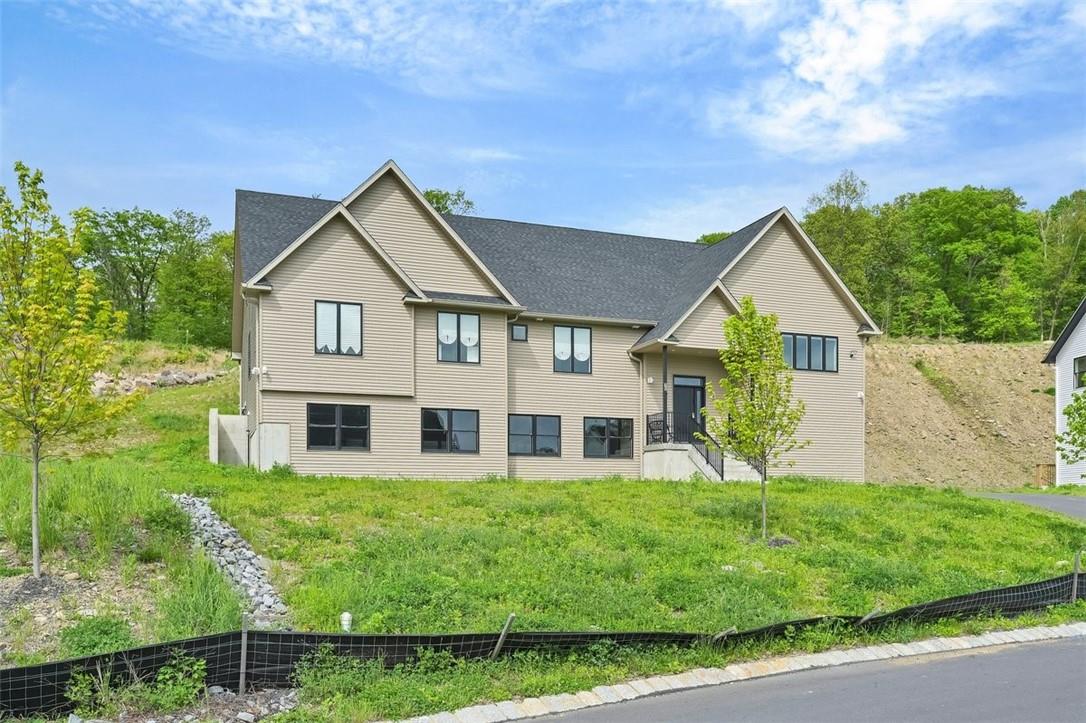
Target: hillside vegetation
point(967, 415)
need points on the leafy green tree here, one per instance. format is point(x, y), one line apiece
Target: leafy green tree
point(1061, 274)
point(1072, 443)
point(712, 237)
point(1007, 309)
point(756, 417)
point(449, 201)
point(195, 287)
point(844, 229)
point(54, 334)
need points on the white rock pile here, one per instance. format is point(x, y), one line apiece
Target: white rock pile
point(103, 383)
point(236, 559)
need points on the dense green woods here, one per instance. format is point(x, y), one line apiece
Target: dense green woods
point(969, 263)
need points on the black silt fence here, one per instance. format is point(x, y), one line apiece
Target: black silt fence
point(271, 656)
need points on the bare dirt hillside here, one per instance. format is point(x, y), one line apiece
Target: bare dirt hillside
point(969, 415)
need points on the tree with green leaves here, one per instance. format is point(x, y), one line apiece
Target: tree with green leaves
point(712, 237)
point(1072, 442)
point(756, 417)
point(195, 288)
point(843, 227)
point(54, 334)
point(449, 201)
point(1062, 261)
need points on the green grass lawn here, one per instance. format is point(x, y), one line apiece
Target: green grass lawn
point(425, 556)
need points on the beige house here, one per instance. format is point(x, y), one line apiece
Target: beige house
point(378, 337)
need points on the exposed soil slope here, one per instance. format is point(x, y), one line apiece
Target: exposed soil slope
point(973, 415)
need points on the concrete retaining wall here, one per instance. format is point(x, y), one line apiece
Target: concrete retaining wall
point(227, 438)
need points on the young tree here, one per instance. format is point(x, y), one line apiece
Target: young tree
point(449, 201)
point(756, 417)
point(1072, 443)
point(54, 334)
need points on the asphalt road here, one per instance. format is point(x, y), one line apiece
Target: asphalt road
point(1031, 682)
point(1067, 504)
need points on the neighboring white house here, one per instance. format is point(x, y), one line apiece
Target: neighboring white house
point(1068, 354)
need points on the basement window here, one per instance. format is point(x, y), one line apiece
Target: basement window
point(337, 426)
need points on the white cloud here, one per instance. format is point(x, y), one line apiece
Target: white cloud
point(860, 74)
point(484, 155)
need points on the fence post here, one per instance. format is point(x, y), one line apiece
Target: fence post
point(244, 651)
point(1074, 576)
point(501, 638)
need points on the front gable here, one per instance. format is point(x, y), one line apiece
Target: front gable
point(337, 264)
point(419, 243)
point(703, 326)
point(784, 276)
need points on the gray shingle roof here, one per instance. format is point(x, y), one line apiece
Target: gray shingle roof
point(549, 269)
point(478, 298)
point(266, 223)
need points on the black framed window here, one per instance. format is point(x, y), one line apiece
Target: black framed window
point(450, 430)
point(518, 332)
point(810, 352)
point(539, 435)
point(457, 337)
point(337, 426)
point(1079, 370)
point(573, 349)
point(608, 437)
point(337, 328)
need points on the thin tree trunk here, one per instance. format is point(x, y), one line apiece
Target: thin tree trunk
point(35, 532)
point(764, 533)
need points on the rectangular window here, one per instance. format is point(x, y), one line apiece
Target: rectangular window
point(573, 349)
point(450, 430)
point(1080, 372)
point(337, 328)
point(518, 332)
point(608, 437)
point(337, 426)
point(457, 337)
point(810, 352)
point(535, 434)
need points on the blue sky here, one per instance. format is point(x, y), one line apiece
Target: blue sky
point(664, 119)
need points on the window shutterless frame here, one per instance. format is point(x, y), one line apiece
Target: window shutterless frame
point(535, 435)
point(518, 332)
point(1078, 372)
point(811, 352)
point(459, 350)
point(349, 432)
point(338, 351)
point(449, 430)
point(571, 365)
point(615, 433)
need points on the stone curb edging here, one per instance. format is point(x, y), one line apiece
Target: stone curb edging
point(233, 555)
point(701, 677)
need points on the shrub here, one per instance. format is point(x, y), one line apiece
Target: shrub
point(96, 634)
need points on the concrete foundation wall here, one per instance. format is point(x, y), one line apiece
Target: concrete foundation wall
point(227, 438)
point(274, 440)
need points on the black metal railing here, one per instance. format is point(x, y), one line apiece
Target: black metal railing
point(662, 428)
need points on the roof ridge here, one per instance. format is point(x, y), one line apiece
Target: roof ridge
point(575, 228)
point(285, 195)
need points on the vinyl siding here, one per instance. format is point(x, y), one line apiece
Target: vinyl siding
point(703, 327)
point(681, 362)
point(395, 422)
point(1065, 389)
point(782, 278)
point(611, 390)
point(416, 241)
point(336, 264)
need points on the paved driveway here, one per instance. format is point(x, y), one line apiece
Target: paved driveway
point(1030, 682)
point(1067, 504)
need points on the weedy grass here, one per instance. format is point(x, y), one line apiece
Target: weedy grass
point(428, 556)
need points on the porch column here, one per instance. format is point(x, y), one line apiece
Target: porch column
point(664, 388)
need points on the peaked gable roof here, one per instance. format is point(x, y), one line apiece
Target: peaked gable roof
point(267, 223)
point(1072, 324)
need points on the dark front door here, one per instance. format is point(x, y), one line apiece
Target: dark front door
point(689, 401)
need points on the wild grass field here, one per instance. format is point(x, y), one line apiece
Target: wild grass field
point(425, 556)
